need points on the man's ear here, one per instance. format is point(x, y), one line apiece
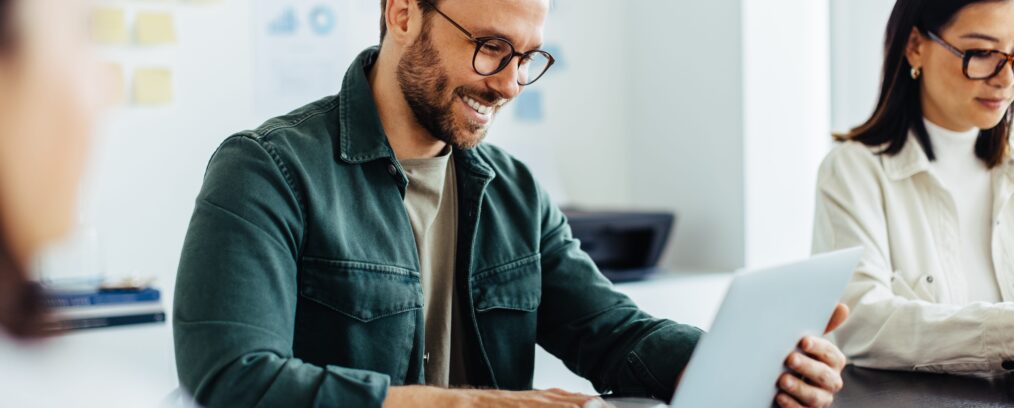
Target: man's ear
point(402, 19)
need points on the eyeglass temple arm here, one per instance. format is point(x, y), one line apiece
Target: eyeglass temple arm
point(946, 45)
point(467, 34)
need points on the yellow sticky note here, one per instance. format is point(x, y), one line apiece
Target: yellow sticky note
point(153, 86)
point(109, 25)
point(154, 28)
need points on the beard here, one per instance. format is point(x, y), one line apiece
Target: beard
point(424, 83)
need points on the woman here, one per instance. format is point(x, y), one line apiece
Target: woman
point(48, 99)
point(924, 185)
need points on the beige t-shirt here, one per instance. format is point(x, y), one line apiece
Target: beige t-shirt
point(432, 206)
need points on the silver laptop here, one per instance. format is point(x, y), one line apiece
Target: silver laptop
point(763, 316)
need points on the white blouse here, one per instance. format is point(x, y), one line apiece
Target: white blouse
point(912, 297)
point(967, 180)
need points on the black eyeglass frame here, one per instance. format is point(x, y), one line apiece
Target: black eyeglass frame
point(967, 55)
point(481, 41)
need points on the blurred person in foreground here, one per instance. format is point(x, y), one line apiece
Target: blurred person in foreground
point(50, 93)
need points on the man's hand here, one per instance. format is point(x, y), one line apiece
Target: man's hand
point(414, 396)
point(816, 372)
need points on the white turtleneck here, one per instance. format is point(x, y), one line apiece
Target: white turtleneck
point(970, 184)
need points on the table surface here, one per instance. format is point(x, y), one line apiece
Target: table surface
point(691, 298)
point(866, 387)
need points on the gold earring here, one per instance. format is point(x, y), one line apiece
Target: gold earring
point(916, 72)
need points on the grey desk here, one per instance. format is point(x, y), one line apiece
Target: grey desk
point(877, 388)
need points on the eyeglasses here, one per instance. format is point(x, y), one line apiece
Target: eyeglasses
point(493, 54)
point(978, 63)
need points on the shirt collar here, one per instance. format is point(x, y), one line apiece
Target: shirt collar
point(361, 134)
point(911, 160)
point(1008, 167)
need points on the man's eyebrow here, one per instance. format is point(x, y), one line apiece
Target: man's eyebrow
point(494, 33)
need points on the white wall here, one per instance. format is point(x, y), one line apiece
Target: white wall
point(857, 54)
point(686, 125)
point(730, 120)
point(787, 124)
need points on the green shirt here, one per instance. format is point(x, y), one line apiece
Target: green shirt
point(299, 281)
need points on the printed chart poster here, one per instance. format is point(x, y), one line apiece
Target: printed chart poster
point(303, 48)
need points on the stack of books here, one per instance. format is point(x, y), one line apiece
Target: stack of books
point(95, 308)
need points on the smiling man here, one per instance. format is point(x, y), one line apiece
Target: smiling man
point(369, 249)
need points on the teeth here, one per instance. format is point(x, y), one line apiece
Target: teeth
point(482, 109)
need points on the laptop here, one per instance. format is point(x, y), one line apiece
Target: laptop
point(762, 318)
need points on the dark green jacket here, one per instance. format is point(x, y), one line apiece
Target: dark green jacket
point(299, 283)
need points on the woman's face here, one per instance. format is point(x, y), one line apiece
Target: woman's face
point(949, 98)
point(50, 92)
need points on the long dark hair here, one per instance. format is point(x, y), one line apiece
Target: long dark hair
point(21, 302)
point(899, 109)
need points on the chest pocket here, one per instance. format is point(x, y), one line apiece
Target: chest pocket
point(506, 300)
point(515, 286)
point(364, 292)
point(358, 315)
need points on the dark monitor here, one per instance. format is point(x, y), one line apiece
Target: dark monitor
point(625, 245)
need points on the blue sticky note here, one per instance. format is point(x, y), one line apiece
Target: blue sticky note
point(285, 23)
point(554, 49)
point(529, 106)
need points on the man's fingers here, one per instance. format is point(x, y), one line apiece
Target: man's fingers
point(841, 313)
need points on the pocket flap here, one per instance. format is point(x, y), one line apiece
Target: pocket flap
point(516, 285)
point(362, 291)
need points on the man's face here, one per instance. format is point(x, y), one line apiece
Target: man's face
point(448, 98)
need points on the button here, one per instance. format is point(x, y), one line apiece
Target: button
point(392, 170)
point(929, 279)
point(1007, 365)
point(426, 357)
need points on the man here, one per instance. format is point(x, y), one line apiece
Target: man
point(367, 249)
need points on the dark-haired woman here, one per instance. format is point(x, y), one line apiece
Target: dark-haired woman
point(48, 98)
point(925, 185)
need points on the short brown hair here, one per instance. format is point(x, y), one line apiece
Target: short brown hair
point(425, 6)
